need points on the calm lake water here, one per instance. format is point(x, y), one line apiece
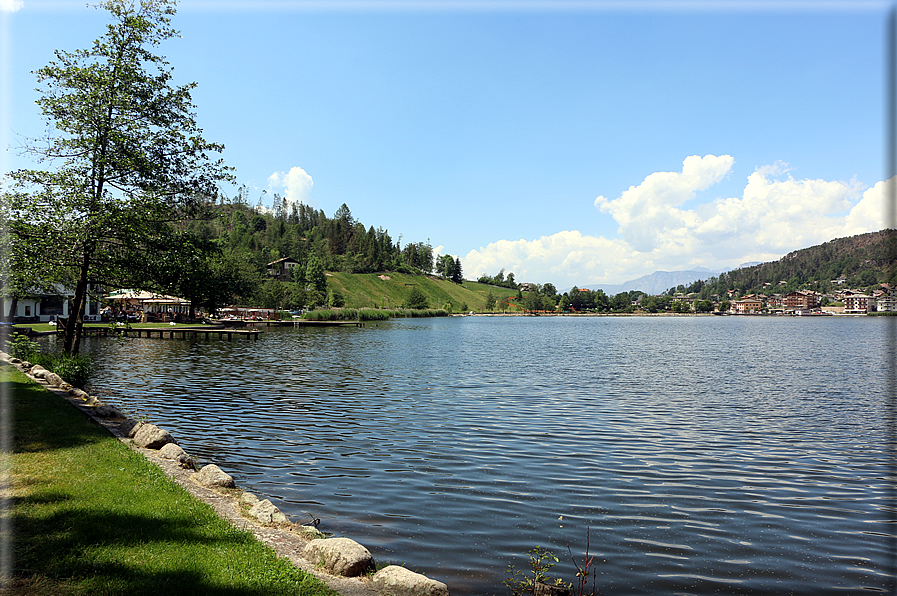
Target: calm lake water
point(731, 455)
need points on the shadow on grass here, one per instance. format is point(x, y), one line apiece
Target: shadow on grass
point(36, 410)
point(111, 553)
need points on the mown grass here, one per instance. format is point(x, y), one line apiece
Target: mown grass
point(92, 517)
point(368, 290)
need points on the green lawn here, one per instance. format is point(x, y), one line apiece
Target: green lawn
point(93, 517)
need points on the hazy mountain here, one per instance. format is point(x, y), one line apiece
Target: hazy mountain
point(657, 282)
point(661, 281)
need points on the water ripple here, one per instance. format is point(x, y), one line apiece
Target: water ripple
point(699, 457)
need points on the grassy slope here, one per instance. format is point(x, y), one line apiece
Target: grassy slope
point(365, 290)
point(91, 516)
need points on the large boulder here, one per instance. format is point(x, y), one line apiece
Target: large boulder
point(398, 581)
point(151, 436)
point(53, 379)
point(38, 371)
point(104, 411)
point(129, 427)
point(177, 453)
point(249, 499)
point(339, 556)
point(214, 477)
point(78, 393)
point(266, 512)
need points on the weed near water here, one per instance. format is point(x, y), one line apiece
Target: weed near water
point(540, 562)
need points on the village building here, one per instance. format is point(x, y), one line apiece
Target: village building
point(800, 300)
point(859, 304)
point(886, 303)
point(46, 306)
point(748, 306)
point(149, 306)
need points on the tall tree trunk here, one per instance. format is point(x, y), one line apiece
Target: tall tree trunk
point(72, 339)
point(13, 307)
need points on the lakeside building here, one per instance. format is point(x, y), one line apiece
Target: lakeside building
point(800, 300)
point(46, 306)
point(748, 306)
point(859, 304)
point(150, 306)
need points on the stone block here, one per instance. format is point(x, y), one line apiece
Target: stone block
point(266, 512)
point(129, 427)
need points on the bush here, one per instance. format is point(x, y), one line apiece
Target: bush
point(75, 369)
point(21, 347)
point(416, 299)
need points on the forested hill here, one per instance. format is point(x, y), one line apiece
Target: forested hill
point(244, 239)
point(863, 261)
point(299, 231)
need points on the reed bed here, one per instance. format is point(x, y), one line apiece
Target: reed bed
point(369, 314)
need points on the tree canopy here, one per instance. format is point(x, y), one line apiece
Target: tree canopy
point(124, 160)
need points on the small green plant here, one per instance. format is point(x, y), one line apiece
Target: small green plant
point(21, 347)
point(540, 561)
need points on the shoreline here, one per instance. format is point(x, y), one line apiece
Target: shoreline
point(226, 503)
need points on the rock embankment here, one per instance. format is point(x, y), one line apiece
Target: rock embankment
point(345, 565)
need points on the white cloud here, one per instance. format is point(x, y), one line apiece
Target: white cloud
point(11, 5)
point(653, 204)
point(560, 256)
point(774, 215)
point(296, 183)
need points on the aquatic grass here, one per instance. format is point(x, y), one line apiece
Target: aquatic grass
point(369, 314)
point(91, 516)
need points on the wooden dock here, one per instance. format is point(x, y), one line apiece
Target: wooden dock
point(173, 332)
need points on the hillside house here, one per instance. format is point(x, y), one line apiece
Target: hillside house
point(281, 268)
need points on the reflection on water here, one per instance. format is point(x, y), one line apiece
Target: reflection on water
point(736, 455)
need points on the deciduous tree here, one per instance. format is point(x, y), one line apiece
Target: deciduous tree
point(125, 158)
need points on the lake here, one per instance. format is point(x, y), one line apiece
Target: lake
point(732, 455)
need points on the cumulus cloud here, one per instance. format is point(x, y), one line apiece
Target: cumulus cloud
point(551, 258)
point(774, 215)
point(296, 183)
point(654, 204)
point(11, 5)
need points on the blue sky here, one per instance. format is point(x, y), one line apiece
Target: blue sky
point(570, 142)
